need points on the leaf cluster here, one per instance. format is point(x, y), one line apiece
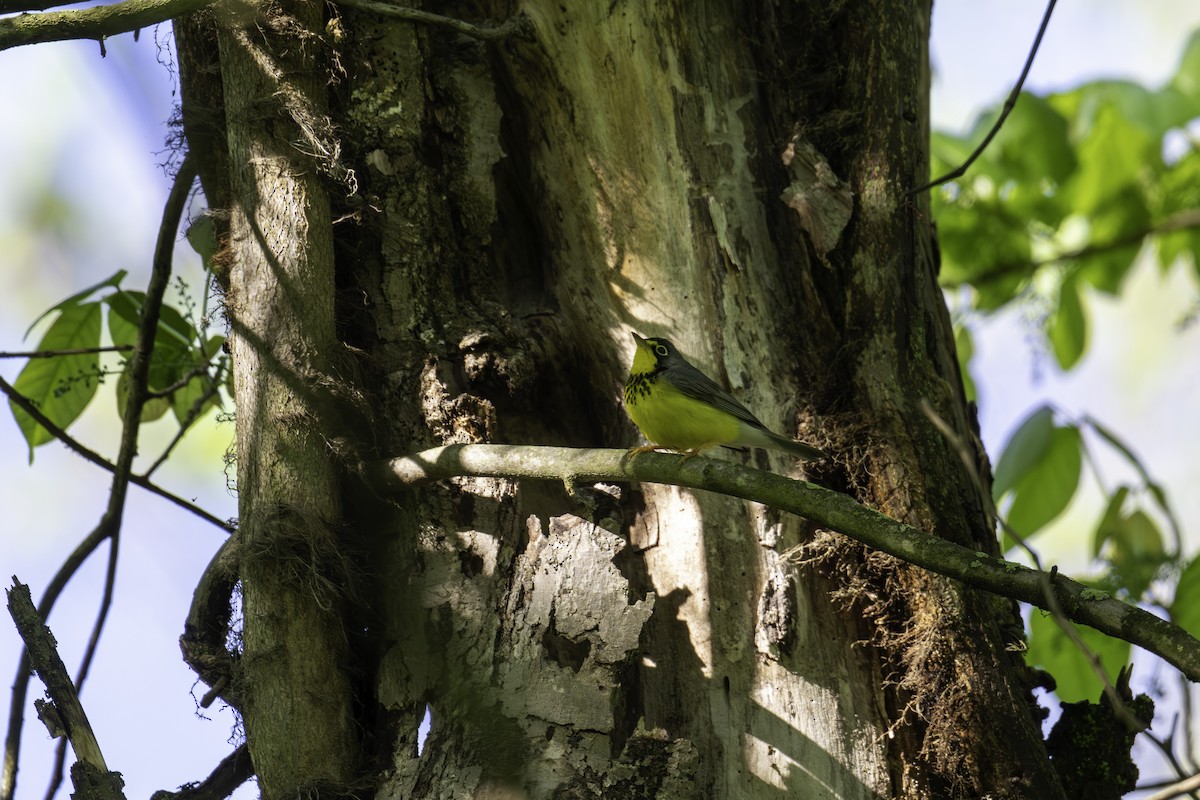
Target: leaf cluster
point(1071, 189)
point(187, 367)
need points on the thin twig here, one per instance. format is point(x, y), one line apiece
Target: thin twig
point(184, 380)
point(1167, 749)
point(98, 23)
point(1008, 107)
point(514, 25)
point(193, 414)
point(76, 351)
point(90, 455)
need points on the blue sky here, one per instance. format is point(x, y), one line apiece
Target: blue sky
point(76, 122)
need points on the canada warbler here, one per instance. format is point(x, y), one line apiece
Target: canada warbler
point(678, 407)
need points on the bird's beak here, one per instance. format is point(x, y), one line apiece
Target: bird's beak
point(639, 340)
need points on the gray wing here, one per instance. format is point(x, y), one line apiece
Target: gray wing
point(695, 383)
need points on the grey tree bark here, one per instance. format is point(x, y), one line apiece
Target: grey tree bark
point(733, 176)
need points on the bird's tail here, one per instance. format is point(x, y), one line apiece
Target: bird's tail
point(797, 449)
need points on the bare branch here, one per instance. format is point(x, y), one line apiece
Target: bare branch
point(97, 23)
point(88, 454)
point(20, 687)
point(206, 631)
point(1008, 107)
point(77, 351)
point(1184, 787)
point(234, 770)
point(185, 425)
point(67, 710)
point(833, 510)
point(513, 26)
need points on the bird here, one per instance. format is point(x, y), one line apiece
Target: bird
point(678, 407)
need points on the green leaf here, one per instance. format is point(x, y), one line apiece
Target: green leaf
point(1112, 160)
point(113, 280)
point(154, 407)
point(1176, 245)
point(1185, 608)
point(1055, 652)
point(61, 387)
point(1105, 271)
point(1187, 77)
point(183, 400)
point(1110, 522)
point(1068, 328)
point(963, 226)
point(1178, 197)
point(1117, 231)
point(1045, 491)
point(173, 353)
point(1032, 146)
point(202, 236)
point(1137, 552)
point(1024, 449)
point(1155, 112)
point(126, 307)
point(964, 346)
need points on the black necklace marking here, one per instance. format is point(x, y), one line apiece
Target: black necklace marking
point(639, 385)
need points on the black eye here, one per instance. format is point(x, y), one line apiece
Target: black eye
point(660, 349)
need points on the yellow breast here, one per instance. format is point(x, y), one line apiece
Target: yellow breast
point(668, 417)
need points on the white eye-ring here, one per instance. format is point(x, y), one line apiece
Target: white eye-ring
point(660, 349)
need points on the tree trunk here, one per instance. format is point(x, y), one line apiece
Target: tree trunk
point(294, 687)
point(734, 177)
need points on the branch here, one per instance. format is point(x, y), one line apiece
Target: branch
point(234, 770)
point(98, 23)
point(1183, 787)
point(20, 687)
point(206, 631)
point(88, 454)
point(77, 351)
point(64, 714)
point(1179, 221)
point(830, 509)
point(515, 25)
point(1008, 107)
